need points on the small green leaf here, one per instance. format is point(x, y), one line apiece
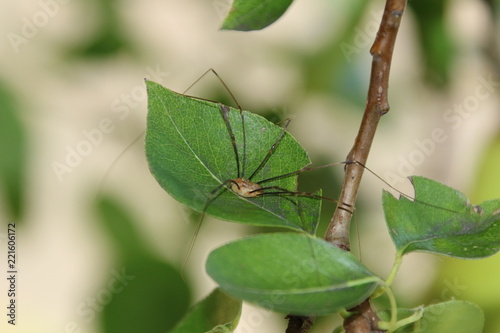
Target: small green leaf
point(441, 220)
point(190, 154)
point(216, 313)
point(404, 317)
point(248, 15)
point(291, 273)
point(447, 317)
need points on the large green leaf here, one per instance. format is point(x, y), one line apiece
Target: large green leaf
point(190, 154)
point(441, 220)
point(291, 273)
point(216, 313)
point(248, 15)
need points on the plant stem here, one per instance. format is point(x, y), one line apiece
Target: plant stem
point(365, 320)
point(376, 106)
point(299, 324)
point(395, 268)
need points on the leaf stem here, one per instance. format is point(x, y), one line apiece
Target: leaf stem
point(395, 268)
point(394, 309)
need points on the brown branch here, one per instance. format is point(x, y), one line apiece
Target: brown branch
point(376, 106)
point(299, 324)
point(364, 319)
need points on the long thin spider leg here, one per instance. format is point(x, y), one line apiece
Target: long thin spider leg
point(315, 261)
point(221, 81)
point(243, 130)
point(285, 192)
point(197, 80)
point(271, 151)
point(225, 111)
point(115, 161)
point(306, 168)
point(380, 178)
point(395, 189)
point(244, 142)
point(211, 197)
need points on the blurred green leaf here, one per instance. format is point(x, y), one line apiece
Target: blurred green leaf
point(216, 313)
point(190, 153)
point(13, 162)
point(487, 184)
point(154, 299)
point(493, 7)
point(122, 230)
point(437, 46)
point(334, 69)
point(110, 37)
point(248, 15)
point(150, 295)
point(477, 280)
point(441, 220)
point(291, 273)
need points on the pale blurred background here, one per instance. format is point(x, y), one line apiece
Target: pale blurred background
point(72, 99)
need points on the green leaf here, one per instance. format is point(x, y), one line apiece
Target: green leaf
point(122, 229)
point(441, 220)
point(14, 151)
point(438, 49)
point(109, 33)
point(248, 15)
point(334, 69)
point(291, 273)
point(143, 286)
point(404, 317)
point(190, 154)
point(487, 181)
point(447, 317)
point(216, 313)
point(146, 296)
